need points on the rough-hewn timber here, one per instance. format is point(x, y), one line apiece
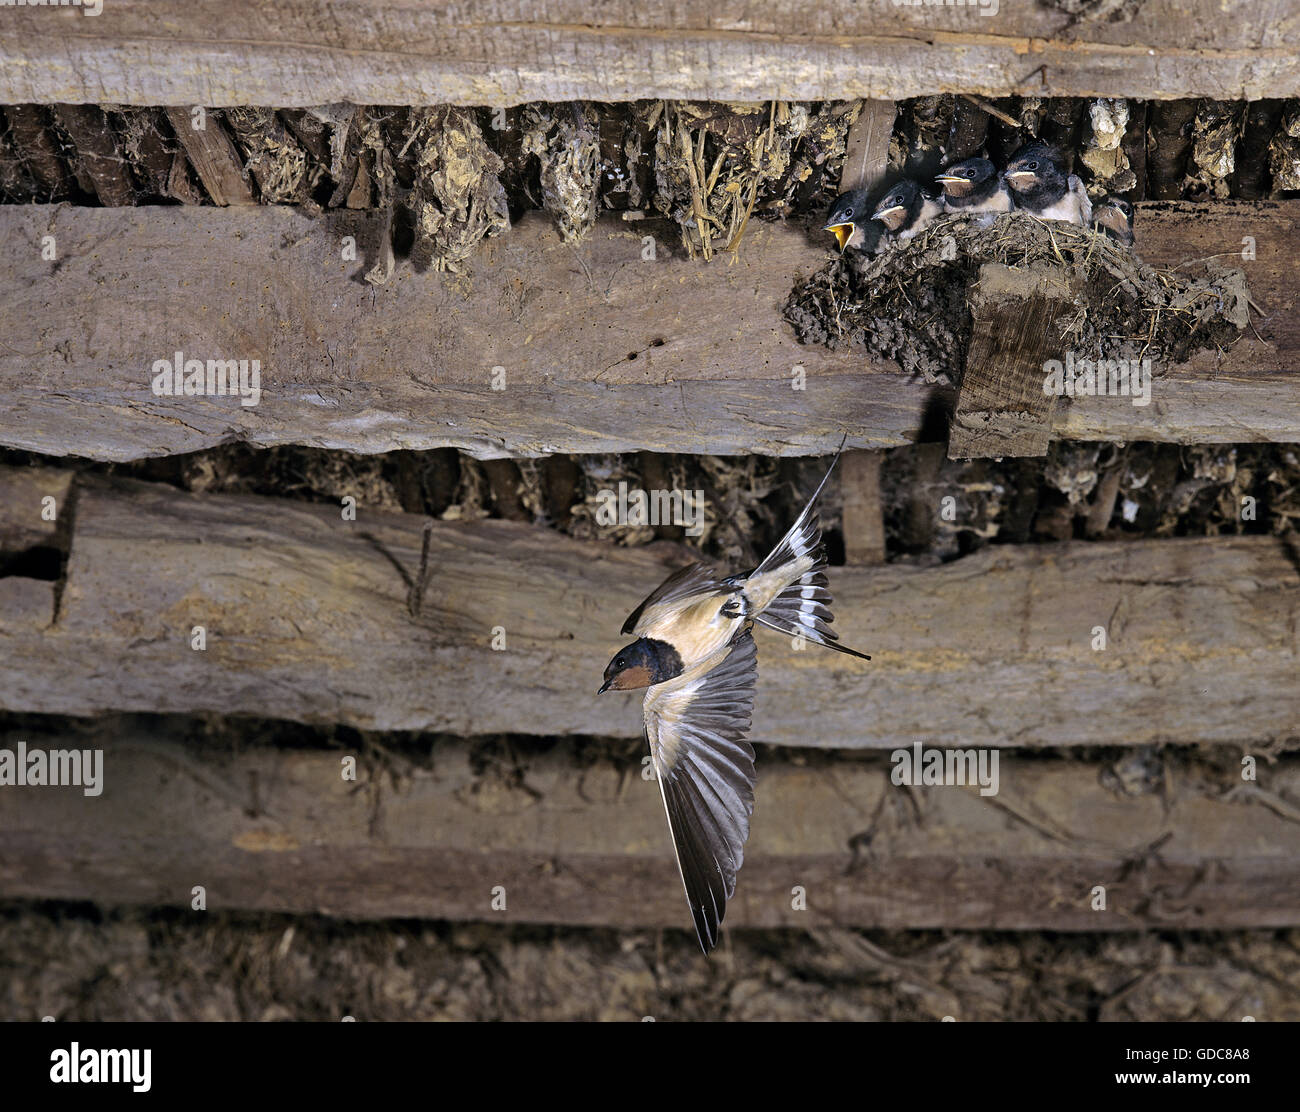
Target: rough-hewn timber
point(584, 842)
point(306, 52)
point(305, 617)
point(601, 349)
point(1001, 408)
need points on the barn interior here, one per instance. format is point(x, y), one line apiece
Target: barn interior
point(339, 647)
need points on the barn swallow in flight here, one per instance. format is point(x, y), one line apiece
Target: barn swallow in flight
point(1114, 217)
point(906, 210)
point(1039, 185)
point(975, 186)
point(850, 222)
point(694, 655)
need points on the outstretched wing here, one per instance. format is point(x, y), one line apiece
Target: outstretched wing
point(697, 726)
point(693, 579)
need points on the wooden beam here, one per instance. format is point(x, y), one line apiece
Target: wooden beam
point(584, 842)
point(307, 52)
point(214, 157)
point(1001, 408)
point(866, 148)
point(33, 144)
point(304, 616)
point(602, 350)
point(863, 510)
point(98, 152)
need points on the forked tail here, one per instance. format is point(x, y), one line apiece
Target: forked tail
point(787, 591)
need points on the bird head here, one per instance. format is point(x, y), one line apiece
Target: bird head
point(640, 664)
point(900, 206)
point(963, 177)
point(1114, 216)
point(844, 216)
point(1120, 205)
point(1033, 164)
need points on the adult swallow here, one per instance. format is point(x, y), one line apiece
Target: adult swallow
point(1114, 217)
point(975, 186)
point(695, 657)
point(906, 210)
point(1039, 184)
point(850, 222)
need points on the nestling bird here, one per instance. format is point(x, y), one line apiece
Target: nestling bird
point(695, 657)
point(851, 223)
point(906, 210)
point(1114, 217)
point(1039, 184)
point(974, 186)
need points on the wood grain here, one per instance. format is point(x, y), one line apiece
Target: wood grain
point(307, 52)
point(214, 158)
point(862, 516)
point(1001, 408)
point(866, 148)
point(582, 841)
point(601, 349)
point(306, 619)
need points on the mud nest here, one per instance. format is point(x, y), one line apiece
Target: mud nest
point(911, 304)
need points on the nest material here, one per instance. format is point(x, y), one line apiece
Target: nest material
point(275, 159)
point(911, 303)
point(1215, 133)
point(1284, 150)
point(566, 141)
point(1104, 154)
point(716, 165)
point(458, 198)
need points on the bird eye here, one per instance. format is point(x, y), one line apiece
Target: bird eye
point(620, 663)
point(1031, 165)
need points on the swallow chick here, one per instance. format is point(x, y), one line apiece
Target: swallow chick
point(1114, 217)
point(695, 657)
point(1039, 184)
point(850, 222)
point(907, 210)
point(975, 186)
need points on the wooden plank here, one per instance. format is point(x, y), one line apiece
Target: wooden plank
point(34, 145)
point(1001, 407)
point(26, 519)
point(584, 843)
point(214, 158)
point(305, 618)
point(306, 52)
point(98, 152)
point(605, 350)
point(866, 149)
point(863, 511)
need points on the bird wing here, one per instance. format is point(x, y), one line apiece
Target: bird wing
point(693, 579)
point(697, 726)
point(1085, 202)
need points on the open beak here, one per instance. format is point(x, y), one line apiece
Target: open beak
point(843, 232)
point(604, 687)
point(881, 213)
